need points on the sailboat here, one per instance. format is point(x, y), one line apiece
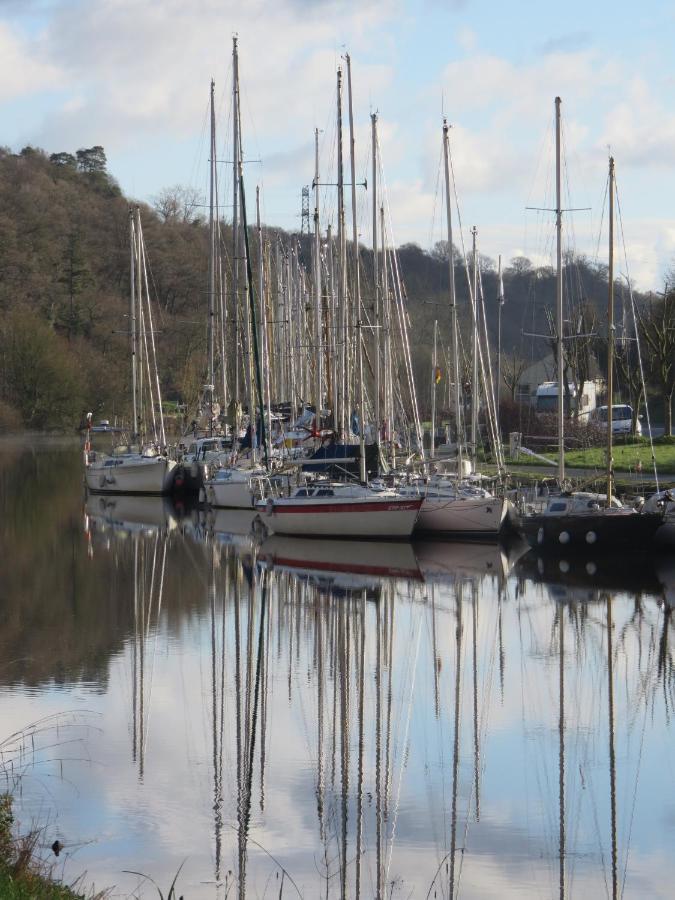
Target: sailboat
point(581, 519)
point(454, 504)
point(230, 479)
point(145, 469)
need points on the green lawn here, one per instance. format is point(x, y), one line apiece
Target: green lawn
point(626, 457)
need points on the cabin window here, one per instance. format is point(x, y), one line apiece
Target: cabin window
point(302, 493)
point(324, 492)
point(558, 507)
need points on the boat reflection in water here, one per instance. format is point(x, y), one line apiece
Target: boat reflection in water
point(384, 719)
point(127, 513)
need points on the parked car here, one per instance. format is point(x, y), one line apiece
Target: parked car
point(622, 418)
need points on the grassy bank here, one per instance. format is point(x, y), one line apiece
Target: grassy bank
point(23, 875)
point(627, 457)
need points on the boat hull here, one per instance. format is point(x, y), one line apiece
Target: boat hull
point(627, 530)
point(147, 476)
point(233, 493)
point(376, 519)
point(462, 516)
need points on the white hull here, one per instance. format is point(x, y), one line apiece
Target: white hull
point(233, 493)
point(462, 515)
point(370, 518)
point(144, 475)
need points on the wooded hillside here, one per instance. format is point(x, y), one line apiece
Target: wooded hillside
point(64, 276)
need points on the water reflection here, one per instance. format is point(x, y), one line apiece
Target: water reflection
point(339, 719)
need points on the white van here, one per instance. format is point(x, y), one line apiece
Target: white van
point(622, 417)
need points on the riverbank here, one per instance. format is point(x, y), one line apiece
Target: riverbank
point(23, 875)
point(629, 458)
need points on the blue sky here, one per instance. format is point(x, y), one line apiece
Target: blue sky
point(133, 75)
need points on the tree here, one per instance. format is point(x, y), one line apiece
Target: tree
point(656, 320)
point(67, 160)
point(75, 277)
point(178, 204)
point(92, 159)
point(440, 252)
point(513, 366)
point(520, 265)
point(40, 377)
point(579, 348)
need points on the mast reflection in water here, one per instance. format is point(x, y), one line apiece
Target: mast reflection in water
point(309, 719)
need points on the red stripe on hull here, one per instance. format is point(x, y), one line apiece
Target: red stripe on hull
point(405, 506)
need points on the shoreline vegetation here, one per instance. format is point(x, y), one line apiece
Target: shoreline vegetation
point(24, 875)
point(64, 251)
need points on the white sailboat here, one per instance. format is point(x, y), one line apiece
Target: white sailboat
point(147, 468)
point(455, 505)
point(335, 509)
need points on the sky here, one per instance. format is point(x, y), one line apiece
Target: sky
point(133, 76)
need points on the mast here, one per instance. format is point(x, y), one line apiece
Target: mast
point(135, 429)
point(388, 370)
point(500, 301)
point(212, 260)
point(236, 235)
point(342, 293)
point(610, 337)
point(434, 364)
point(254, 339)
point(265, 386)
point(318, 356)
point(559, 302)
point(376, 282)
point(357, 281)
point(474, 368)
point(453, 303)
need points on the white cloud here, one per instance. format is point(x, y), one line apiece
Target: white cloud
point(22, 70)
point(147, 66)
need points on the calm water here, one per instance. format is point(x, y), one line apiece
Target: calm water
point(322, 720)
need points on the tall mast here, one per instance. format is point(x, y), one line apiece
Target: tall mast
point(453, 302)
point(318, 355)
point(254, 354)
point(388, 369)
point(500, 301)
point(559, 302)
point(342, 293)
point(376, 282)
point(434, 363)
point(610, 336)
point(132, 328)
point(236, 237)
point(212, 261)
point(357, 282)
point(264, 349)
point(474, 368)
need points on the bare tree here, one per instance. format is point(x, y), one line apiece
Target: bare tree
point(513, 366)
point(657, 329)
point(579, 352)
point(178, 204)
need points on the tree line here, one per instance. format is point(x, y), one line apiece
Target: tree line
point(64, 273)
